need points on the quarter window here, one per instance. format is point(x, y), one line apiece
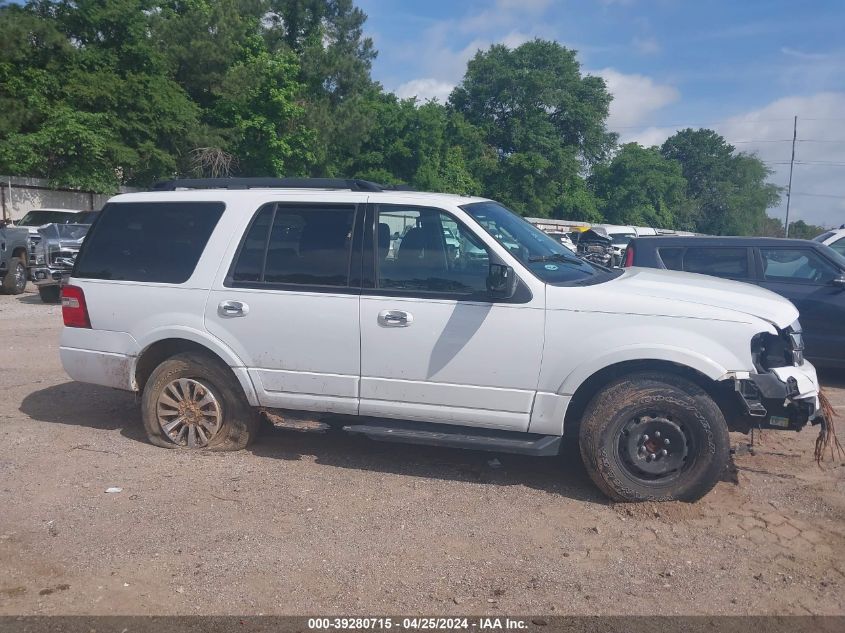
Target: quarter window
point(159, 242)
point(299, 245)
point(672, 258)
point(719, 262)
point(426, 250)
point(796, 264)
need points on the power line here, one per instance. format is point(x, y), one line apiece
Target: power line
point(817, 195)
point(779, 140)
point(686, 125)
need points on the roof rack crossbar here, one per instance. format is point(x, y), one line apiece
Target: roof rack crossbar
point(353, 184)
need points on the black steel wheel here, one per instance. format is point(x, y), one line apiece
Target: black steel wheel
point(653, 437)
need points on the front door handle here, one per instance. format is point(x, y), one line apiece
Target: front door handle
point(232, 309)
point(395, 318)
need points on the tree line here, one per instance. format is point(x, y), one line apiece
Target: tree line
point(101, 93)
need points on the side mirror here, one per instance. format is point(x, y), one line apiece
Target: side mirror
point(501, 281)
point(839, 282)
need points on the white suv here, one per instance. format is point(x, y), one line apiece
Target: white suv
point(834, 238)
point(216, 299)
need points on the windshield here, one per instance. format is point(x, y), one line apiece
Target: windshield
point(544, 256)
point(70, 232)
point(621, 239)
point(85, 217)
point(824, 236)
point(37, 218)
point(835, 254)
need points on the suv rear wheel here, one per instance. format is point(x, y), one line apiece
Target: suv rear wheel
point(654, 437)
point(193, 401)
point(14, 283)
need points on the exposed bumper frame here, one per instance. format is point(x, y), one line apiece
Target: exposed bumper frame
point(783, 398)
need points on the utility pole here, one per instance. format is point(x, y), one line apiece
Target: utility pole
point(791, 165)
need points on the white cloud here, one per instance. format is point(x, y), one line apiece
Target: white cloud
point(445, 51)
point(767, 132)
point(425, 89)
point(820, 166)
point(514, 39)
point(635, 97)
point(646, 45)
point(791, 52)
point(533, 6)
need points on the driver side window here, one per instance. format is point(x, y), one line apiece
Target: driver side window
point(426, 250)
point(793, 264)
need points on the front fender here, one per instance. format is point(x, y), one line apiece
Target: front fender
point(640, 352)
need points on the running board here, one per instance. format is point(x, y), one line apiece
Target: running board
point(459, 437)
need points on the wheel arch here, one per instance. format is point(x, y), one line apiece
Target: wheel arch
point(592, 384)
point(154, 353)
point(21, 253)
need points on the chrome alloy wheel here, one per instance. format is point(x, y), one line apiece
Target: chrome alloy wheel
point(20, 277)
point(189, 413)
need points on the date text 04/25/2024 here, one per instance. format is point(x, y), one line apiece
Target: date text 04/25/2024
point(418, 623)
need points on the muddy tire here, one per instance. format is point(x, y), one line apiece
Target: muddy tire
point(192, 401)
point(654, 437)
point(50, 294)
point(14, 282)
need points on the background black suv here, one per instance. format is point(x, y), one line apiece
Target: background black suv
point(809, 274)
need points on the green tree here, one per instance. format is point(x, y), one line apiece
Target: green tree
point(335, 60)
point(544, 120)
point(729, 190)
point(258, 106)
point(800, 230)
point(424, 146)
point(640, 187)
point(101, 109)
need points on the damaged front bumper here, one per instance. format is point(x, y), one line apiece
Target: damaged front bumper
point(781, 398)
point(45, 276)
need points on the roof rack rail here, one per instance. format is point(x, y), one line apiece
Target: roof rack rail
point(354, 184)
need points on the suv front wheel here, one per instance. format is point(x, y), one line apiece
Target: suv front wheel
point(654, 437)
point(193, 401)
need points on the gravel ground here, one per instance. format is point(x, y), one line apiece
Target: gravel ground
point(305, 523)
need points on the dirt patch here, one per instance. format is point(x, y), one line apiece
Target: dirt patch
point(316, 523)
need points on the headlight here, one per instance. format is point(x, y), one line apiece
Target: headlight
point(781, 350)
point(796, 340)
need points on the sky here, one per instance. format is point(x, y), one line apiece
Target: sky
point(744, 68)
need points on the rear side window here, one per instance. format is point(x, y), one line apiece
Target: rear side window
point(672, 258)
point(158, 242)
point(296, 245)
point(720, 262)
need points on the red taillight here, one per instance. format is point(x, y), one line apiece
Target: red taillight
point(74, 310)
point(629, 256)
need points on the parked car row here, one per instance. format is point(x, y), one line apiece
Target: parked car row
point(45, 247)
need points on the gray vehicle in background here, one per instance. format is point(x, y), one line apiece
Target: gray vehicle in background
point(13, 259)
point(54, 254)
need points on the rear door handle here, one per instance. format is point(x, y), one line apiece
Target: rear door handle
point(395, 318)
point(232, 309)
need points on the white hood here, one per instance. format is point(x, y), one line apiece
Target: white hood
point(704, 290)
